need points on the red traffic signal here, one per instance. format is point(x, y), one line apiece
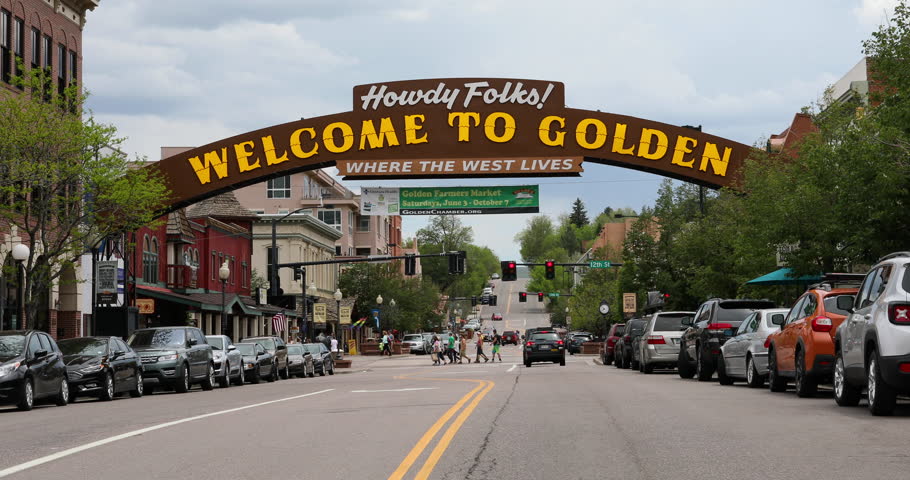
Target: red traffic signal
point(509, 271)
point(550, 269)
point(522, 296)
point(539, 296)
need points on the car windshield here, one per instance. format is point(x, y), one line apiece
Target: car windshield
point(670, 322)
point(637, 327)
point(295, 349)
point(544, 337)
point(83, 346)
point(217, 343)
point(831, 304)
point(582, 338)
point(12, 345)
point(246, 348)
point(314, 348)
point(413, 338)
point(267, 343)
point(158, 338)
point(619, 330)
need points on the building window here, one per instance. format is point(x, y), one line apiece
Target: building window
point(338, 250)
point(18, 43)
point(150, 260)
point(330, 217)
point(5, 53)
point(233, 268)
point(350, 222)
point(48, 54)
point(36, 48)
point(214, 264)
point(363, 252)
point(279, 187)
point(72, 68)
point(61, 69)
point(363, 223)
point(242, 274)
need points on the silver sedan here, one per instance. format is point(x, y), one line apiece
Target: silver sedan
point(745, 356)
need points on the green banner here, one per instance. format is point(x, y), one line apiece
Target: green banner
point(469, 200)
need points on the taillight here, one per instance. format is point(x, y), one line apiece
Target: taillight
point(899, 313)
point(904, 367)
point(559, 342)
point(718, 326)
point(656, 340)
point(627, 337)
point(767, 342)
point(529, 344)
point(822, 324)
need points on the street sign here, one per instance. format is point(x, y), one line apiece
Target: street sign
point(599, 264)
point(146, 305)
point(553, 294)
point(629, 303)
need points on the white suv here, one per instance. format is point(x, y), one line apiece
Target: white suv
point(872, 346)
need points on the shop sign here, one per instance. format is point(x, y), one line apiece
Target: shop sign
point(344, 315)
point(319, 313)
point(146, 305)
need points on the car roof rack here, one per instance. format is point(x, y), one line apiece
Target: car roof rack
point(893, 255)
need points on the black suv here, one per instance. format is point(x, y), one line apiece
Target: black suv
point(575, 340)
point(544, 346)
point(714, 322)
point(278, 349)
point(175, 357)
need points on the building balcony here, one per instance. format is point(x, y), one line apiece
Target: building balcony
point(181, 277)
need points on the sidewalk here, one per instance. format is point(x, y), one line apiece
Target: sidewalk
point(364, 362)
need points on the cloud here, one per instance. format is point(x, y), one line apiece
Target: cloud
point(872, 13)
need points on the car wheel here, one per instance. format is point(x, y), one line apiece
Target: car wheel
point(285, 374)
point(683, 365)
point(225, 381)
point(617, 360)
point(528, 363)
point(138, 391)
point(257, 377)
point(26, 396)
point(845, 394)
point(702, 370)
point(107, 394)
point(753, 379)
point(722, 377)
point(241, 377)
point(332, 370)
point(647, 368)
point(312, 371)
point(183, 383)
point(273, 374)
point(209, 382)
point(806, 386)
point(882, 398)
point(322, 369)
point(776, 383)
point(63, 394)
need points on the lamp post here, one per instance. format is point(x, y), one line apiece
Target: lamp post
point(379, 307)
point(338, 296)
point(273, 274)
point(312, 291)
point(21, 252)
point(224, 273)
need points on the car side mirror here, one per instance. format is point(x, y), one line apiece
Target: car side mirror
point(282, 347)
point(192, 342)
point(40, 354)
point(119, 353)
point(845, 303)
point(777, 319)
point(231, 348)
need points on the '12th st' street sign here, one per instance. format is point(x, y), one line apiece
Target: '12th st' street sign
point(599, 264)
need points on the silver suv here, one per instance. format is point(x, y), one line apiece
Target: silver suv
point(872, 346)
point(659, 344)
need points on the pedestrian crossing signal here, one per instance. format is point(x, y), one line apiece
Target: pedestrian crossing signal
point(410, 264)
point(539, 296)
point(551, 269)
point(456, 262)
point(509, 271)
point(522, 297)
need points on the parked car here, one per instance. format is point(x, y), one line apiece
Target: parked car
point(227, 361)
point(31, 369)
point(610, 343)
point(101, 367)
point(300, 361)
point(574, 341)
point(278, 348)
point(322, 358)
point(803, 349)
point(258, 363)
point(544, 346)
point(745, 356)
point(496, 317)
point(658, 345)
point(715, 321)
point(417, 342)
point(872, 347)
point(175, 357)
point(495, 276)
point(510, 337)
point(624, 350)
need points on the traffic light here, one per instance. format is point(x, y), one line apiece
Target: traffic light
point(509, 273)
point(410, 264)
point(456, 262)
point(298, 274)
point(551, 269)
point(522, 297)
point(493, 301)
point(539, 296)
point(473, 301)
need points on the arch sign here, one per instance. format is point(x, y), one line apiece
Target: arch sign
point(460, 127)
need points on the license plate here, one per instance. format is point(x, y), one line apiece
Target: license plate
point(554, 349)
point(543, 347)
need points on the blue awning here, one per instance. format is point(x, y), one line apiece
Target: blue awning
point(784, 276)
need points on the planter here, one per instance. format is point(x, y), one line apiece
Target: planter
point(591, 348)
point(369, 348)
point(343, 363)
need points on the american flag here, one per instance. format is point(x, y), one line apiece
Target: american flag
point(279, 322)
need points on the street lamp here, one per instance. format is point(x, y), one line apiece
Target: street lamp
point(224, 273)
point(273, 275)
point(338, 296)
point(379, 307)
point(21, 252)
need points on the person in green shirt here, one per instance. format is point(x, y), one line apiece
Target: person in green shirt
point(451, 350)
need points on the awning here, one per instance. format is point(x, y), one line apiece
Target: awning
point(784, 276)
point(203, 301)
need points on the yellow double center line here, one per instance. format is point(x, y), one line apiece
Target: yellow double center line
point(483, 387)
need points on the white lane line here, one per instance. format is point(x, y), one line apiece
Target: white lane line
point(395, 390)
point(71, 451)
point(514, 366)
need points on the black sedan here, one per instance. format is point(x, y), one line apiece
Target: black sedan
point(258, 363)
point(544, 346)
point(101, 367)
point(322, 358)
point(300, 361)
point(31, 368)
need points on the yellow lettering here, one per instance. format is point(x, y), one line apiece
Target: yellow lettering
point(718, 165)
point(295, 143)
point(683, 146)
point(464, 121)
point(210, 160)
point(270, 157)
point(581, 133)
point(558, 140)
point(386, 131)
point(347, 135)
point(489, 127)
point(244, 151)
point(413, 124)
point(619, 138)
point(647, 141)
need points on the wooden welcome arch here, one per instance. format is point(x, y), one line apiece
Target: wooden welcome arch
point(460, 127)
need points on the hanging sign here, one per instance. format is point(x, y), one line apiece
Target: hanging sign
point(106, 281)
point(344, 315)
point(319, 313)
point(450, 200)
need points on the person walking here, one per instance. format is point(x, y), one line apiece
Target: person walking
point(480, 351)
point(463, 349)
point(497, 344)
point(450, 350)
point(439, 358)
point(388, 344)
point(382, 341)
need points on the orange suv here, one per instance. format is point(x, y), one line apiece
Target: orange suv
point(803, 349)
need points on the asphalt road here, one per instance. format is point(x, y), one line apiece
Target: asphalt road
point(402, 417)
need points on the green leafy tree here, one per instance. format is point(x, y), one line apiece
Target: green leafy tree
point(579, 216)
point(536, 238)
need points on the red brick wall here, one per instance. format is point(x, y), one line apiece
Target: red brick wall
point(67, 324)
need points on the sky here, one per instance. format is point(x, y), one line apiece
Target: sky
point(188, 73)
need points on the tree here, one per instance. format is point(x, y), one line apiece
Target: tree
point(65, 184)
point(578, 217)
point(416, 301)
point(444, 233)
point(536, 238)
